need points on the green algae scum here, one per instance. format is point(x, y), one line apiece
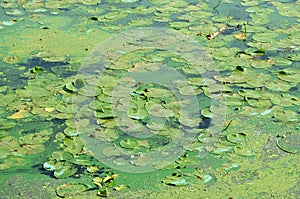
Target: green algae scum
point(150, 99)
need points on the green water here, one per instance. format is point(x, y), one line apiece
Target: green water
point(149, 99)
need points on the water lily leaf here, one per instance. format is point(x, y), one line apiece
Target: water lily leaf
point(64, 171)
point(286, 115)
point(279, 85)
point(175, 181)
point(3, 133)
point(190, 90)
point(107, 134)
point(294, 78)
point(129, 143)
point(111, 16)
point(121, 161)
point(291, 70)
point(113, 151)
point(221, 148)
point(265, 37)
point(141, 160)
point(156, 125)
point(74, 86)
point(49, 166)
point(231, 167)
point(65, 108)
point(34, 92)
point(243, 151)
point(135, 112)
point(289, 143)
point(258, 63)
point(121, 187)
point(71, 132)
point(73, 145)
point(158, 110)
point(158, 93)
point(193, 70)
point(236, 137)
point(61, 155)
point(71, 190)
point(207, 113)
point(130, 125)
point(280, 61)
point(190, 121)
point(232, 100)
point(178, 25)
point(70, 98)
point(187, 161)
point(208, 178)
point(284, 100)
point(259, 103)
point(6, 99)
point(90, 91)
point(294, 57)
point(105, 113)
point(6, 124)
point(107, 81)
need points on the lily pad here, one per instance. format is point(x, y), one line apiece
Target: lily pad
point(289, 143)
point(236, 138)
point(74, 86)
point(71, 190)
point(64, 171)
point(175, 181)
point(129, 143)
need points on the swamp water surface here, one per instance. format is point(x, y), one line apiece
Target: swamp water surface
point(149, 99)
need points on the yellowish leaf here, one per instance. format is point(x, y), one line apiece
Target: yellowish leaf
point(240, 36)
point(18, 115)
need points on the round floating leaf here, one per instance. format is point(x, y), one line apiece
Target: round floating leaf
point(294, 78)
point(107, 81)
point(90, 91)
point(129, 143)
point(175, 181)
point(141, 160)
point(34, 92)
point(243, 151)
point(64, 171)
point(259, 103)
point(279, 85)
point(74, 86)
point(221, 149)
point(136, 111)
point(290, 142)
point(189, 120)
point(49, 166)
point(265, 37)
point(71, 190)
point(190, 90)
point(158, 93)
point(61, 155)
point(113, 151)
point(107, 134)
point(280, 61)
point(6, 124)
point(286, 116)
point(71, 132)
point(121, 161)
point(105, 113)
point(158, 110)
point(236, 138)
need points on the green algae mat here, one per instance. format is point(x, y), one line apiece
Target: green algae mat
point(149, 99)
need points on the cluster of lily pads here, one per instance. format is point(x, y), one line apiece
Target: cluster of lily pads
point(257, 59)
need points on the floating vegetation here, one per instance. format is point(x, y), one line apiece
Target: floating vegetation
point(96, 93)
